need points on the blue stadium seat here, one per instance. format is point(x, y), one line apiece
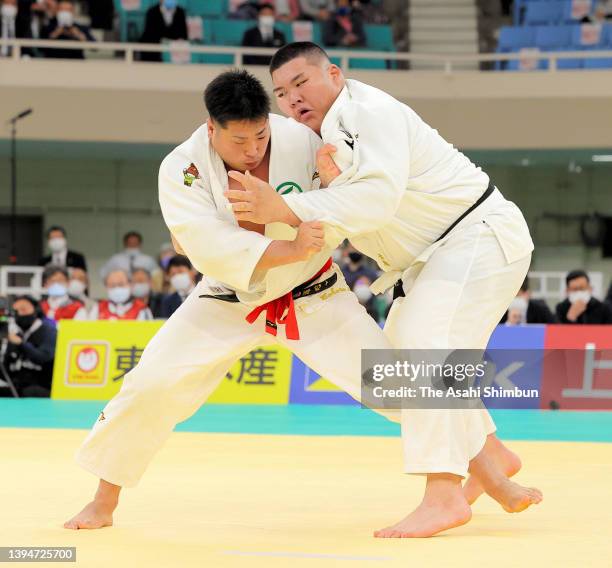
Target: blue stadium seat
point(573, 63)
point(599, 63)
point(606, 36)
point(511, 38)
point(544, 12)
point(553, 37)
point(207, 8)
point(287, 30)
point(379, 37)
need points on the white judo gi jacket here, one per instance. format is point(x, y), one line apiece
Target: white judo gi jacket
point(192, 179)
point(402, 185)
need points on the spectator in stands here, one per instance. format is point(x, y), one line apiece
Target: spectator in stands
point(287, 10)
point(344, 28)
point(182, 279)
point(78, 287)
point(601, 13)
point(30, 350)
point(523, 309)
point(60, 254)
point(42, 12)
point(356, 267)
point(62, 27)
point(580, 306)
point(361, 288)
point(120, 304)
point(161, 281)
point(58, 304)
point(263, 35)
point(102, 14)
point(167, 20)
point(316, 9)
point(371, 13)
point(14, 24)
point(142, 290)
point(131, 257)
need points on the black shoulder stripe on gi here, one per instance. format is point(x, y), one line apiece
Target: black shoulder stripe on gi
point(350, 142)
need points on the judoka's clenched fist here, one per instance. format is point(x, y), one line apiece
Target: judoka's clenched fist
point(328, 170)
point(309, 240)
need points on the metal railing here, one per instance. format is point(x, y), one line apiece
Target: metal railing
point(447, 61)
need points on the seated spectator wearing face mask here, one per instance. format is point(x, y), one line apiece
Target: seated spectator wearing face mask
point(525, 310)
point(164, 21)
point(142, 290)
point(160, 280)
point(62, 27)
point(78, 287)
point(130, 258)
point(30, 350)
point(58, 304)
point(344, 28)
point(356, 267)
point(182, 279)
point(14, 24)
point(263, 35)
point(580, 306)
point(120, 304)
point(60, 254)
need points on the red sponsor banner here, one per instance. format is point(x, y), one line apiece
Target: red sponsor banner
point(577, 367)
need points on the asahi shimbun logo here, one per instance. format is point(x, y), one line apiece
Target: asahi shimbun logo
point(287, 187)
point(190, 174)
point(87, 360)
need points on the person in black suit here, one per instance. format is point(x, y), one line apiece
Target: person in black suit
point(63, 27)
point(263, 35)
point(524, 309)
point(182, 279)
point(60, 254)
point(345, 27)
point(579, 306)
point(165, 21)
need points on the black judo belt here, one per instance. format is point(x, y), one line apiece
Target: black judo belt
point(301, 291)
point(398, 288)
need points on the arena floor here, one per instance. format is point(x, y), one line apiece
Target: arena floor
point(280, 486)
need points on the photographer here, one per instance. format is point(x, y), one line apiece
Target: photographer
point(30, 350)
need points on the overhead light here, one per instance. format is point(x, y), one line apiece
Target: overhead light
point(602, 158)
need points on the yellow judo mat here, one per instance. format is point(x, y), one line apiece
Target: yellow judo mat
point(233, 500)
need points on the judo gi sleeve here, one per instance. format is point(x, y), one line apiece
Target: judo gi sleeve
point(215, 245)
point(377, 179)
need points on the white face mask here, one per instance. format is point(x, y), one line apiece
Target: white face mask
point(57, 290)
point(363, 293)
point(57, 244)
point(181, 282)
point(76, 288)
point(580, 295)
point(141, 289)
point(119, 294)
point(9, 11)
point(266, 21)
point(65, 18)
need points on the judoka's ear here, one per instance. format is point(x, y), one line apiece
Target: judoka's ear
point(210, 127)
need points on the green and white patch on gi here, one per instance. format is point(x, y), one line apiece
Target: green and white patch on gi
point(190, 174)
point(287, 187)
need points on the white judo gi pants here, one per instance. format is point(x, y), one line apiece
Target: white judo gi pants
point(191, 354)
point(455, 302)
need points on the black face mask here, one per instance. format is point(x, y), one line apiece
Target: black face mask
point(25, 322)
point(355, 257)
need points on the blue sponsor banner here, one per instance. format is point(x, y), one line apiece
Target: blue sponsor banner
point(307, 387)
point(517, 353)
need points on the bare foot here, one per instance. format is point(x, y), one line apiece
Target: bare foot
point(430, 518)
point(513, 497)
point(95, 515)
point(506, 460)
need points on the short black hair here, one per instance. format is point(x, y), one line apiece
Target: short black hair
point(525, 284)
point(576, 274)
point(179, 260)
point(37, 310)
point(236, 95)
point(53, 269)
point(293, 50)
point(265, 5)
point(56, 228)
point(132, 234)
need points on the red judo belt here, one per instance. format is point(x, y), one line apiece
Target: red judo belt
point(282, 310)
